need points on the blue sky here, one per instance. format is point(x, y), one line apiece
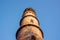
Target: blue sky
point(48, 13)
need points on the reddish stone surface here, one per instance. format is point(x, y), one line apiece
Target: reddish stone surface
point(29, 32)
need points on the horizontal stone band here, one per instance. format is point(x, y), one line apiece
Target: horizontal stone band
point(29, 25)
point(27, 16)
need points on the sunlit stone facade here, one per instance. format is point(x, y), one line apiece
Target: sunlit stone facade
point(29, 26)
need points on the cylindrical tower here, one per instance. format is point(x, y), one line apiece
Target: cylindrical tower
point(29, 26)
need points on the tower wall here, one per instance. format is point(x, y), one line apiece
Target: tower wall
point(29, 26)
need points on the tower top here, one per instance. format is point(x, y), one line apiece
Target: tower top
point(29, 10)
point(29, 26)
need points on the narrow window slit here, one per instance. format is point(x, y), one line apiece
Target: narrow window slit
point(33, 37)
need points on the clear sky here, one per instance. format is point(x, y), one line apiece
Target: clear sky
point(48, 13)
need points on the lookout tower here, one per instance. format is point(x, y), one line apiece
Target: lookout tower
point(29, 26)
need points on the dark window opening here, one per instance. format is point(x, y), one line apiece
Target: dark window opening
point(31, 20)
point(33, 37)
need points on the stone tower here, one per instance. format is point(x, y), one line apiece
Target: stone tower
point(29, 26)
